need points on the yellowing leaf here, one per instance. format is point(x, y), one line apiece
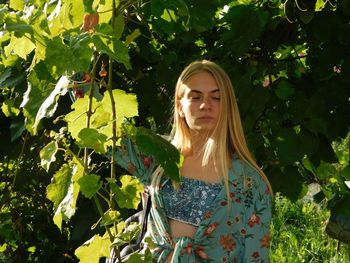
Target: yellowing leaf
point(105, 11)
point(20, 46)
point(92, 250)
point(126, 106)
point(17, 4)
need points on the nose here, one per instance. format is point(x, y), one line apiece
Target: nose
point(206, 103)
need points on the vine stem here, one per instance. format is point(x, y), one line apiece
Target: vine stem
point(114, 128)
point(89, 111)
point(114, 114)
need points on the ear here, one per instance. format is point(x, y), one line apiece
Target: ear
point(180, 111)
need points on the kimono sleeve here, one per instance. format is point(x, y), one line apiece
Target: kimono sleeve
point(131, 159)
point(257, 218)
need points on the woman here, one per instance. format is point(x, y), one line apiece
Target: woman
point(221, 210)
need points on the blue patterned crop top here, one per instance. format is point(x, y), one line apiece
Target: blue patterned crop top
point(189, 203)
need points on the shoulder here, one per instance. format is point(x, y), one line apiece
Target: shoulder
point(252, 179)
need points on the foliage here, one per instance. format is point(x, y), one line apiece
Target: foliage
point(298, 234)
point(288, 60)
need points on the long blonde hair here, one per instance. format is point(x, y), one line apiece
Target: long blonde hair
point(227, 136)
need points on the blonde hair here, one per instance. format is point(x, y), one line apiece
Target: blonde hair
point(227, 136)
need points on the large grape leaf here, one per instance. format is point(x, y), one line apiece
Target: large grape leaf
point(128, 195)
point(93, 249)
point(20, 46)
point(125, 105)
point(64, 189)
point(33, 98)
point(163, 151)
point(91, 138)
point(89, 185)
point(47, 155)
point(76, 119)
point(49, 106)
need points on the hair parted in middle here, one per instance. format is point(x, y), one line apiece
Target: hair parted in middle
point(227, 137)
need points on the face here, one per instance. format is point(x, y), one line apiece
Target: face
point(200, 103)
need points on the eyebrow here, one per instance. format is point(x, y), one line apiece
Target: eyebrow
point(198, 91)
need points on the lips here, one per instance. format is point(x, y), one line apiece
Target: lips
point(206, 118)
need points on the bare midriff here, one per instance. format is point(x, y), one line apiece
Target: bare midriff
point(180, 229)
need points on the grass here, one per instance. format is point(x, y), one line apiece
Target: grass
point(297, 234)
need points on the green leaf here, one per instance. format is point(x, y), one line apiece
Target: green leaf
point(4, 76)
point(131, 232)
point(345, 173)
point(9, 109)
point(63, 191)
point(246, 25)
point(294, 189)
point(77, 118)
point(119, 26)
point(67, 15)
point(163, 151)
point(325, 170)
point(49, 106)
point(89, 185)
point(34, 97)
point(126, 107)
point(91, 138)
point(130, 38)
point(287, 139)
point(128, 195)
point(92, 250)
point(114, 48)
point(284, 90)
point(60, 184)
point(20, 46)
point(62, 59)
point(17, 4)
point(110, 217)
point(17, 127)
point(105, 11)
point(47, 155)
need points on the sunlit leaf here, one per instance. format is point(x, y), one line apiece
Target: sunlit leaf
point(125, 105)
point(17, 4)
point(91, 138)
point(77, 118)
point(110, 217)
point(33, 98)
point(20, 46)
point(89, 185)
point(128, 195)
point(9, 109)
point(132, 36)
point(92, 250)
point(325, 170)
point(131, 232)
point(47, 155)
point(63, 191)
point(49, 106)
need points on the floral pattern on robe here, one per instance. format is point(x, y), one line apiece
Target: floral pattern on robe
point(235, 230)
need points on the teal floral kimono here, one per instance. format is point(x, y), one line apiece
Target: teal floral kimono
point(235, 230)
